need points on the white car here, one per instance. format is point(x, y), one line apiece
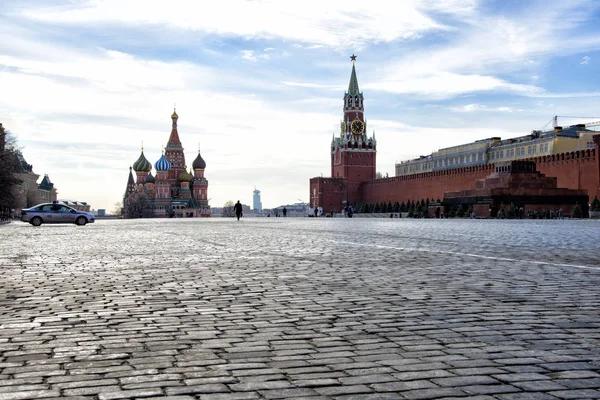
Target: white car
point(52, 213)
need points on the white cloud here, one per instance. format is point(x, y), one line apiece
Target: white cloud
point(313, 85)
point(484, 108)
point(248, 55)
point(334, 23)
point(489, 46)
point(585, 60)
point(445, 84)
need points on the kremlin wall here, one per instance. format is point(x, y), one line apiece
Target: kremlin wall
point(353, 156)
point(574, 170)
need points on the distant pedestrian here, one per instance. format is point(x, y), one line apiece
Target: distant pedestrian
point(284, 212)
point(238, 209)
point(316, 211)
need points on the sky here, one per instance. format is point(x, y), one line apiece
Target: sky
point(258, 85)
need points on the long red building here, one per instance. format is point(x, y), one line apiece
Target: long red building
point(353, 163)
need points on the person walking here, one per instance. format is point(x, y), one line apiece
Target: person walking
point(238, 209)
point(284, 212)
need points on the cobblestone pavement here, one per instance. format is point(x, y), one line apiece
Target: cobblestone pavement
point(300, 308)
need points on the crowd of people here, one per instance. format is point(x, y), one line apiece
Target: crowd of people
point(7, 215)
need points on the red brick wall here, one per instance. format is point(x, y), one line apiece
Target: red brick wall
point(576, 170)
point(430, 185)
point(327, 193)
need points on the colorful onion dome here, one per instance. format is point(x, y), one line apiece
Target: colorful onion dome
point(150, 178)
point(185, 176)
point(199, 162)
point(162, 164)
point(142, 165)
point(174, 115)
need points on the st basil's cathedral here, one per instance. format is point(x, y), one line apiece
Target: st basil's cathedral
point(172, 191)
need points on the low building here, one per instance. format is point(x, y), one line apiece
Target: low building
point(493, 150)
point(293, 210)
point(29, 192)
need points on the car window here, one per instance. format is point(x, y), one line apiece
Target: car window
point(65, 209)
point(47, 207)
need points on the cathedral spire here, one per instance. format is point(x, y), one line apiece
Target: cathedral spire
point(174, 138)
point(130, 185)
point(353, 87)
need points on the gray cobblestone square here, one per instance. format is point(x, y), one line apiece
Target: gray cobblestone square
point(300, 308)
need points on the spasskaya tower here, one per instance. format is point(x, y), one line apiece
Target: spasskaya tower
point(353, 155)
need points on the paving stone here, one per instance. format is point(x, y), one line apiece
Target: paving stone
point(231, 396)
point(403, 386)
point(29, 394)
point(526, 396)
point(576, 394)
point(129, 394)
point(465, 381)
point(89, 390)
point(433, 393)
point(374, 396)
point(253, 386)
point(579, 383)
point(489, 389)
point(343, 390)
point(23, 388)
point(287, 393)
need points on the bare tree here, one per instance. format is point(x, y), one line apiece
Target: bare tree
point(118, 210)
point(228, 209)
point(9, 166)
point(137, 205)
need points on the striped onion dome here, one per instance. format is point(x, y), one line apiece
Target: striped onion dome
point(162, 164)
point(150, 178)
point(142, 165)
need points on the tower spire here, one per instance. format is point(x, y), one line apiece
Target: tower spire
point(174, 138)
point(353, 87)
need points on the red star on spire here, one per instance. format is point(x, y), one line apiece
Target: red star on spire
point(353, 57)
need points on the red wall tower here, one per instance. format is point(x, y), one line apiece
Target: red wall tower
point(353, 155)
point(174, 153)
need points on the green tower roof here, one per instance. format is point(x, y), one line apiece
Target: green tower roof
point(353, 87)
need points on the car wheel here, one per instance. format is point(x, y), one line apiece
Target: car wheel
point(36, 221)
point(81, 221)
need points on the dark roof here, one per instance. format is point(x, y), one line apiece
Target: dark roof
point(199, 162)
point(22, 165)
point(46, 183)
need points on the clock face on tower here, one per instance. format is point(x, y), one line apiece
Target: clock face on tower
point(357, 127)
point(343, 127)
